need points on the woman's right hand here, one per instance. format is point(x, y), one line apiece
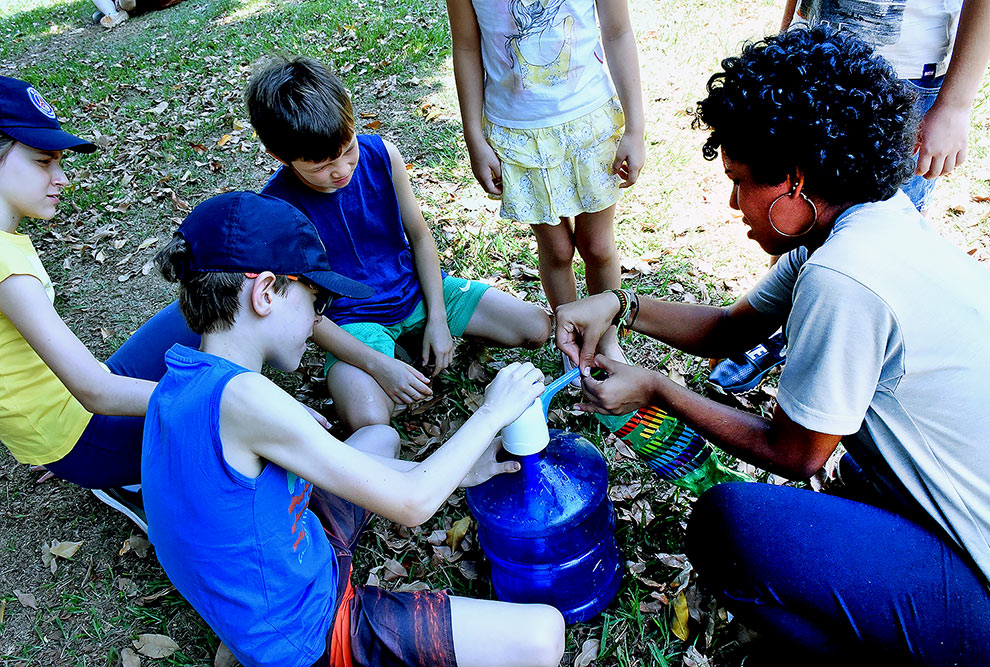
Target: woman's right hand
point(486, 166)
point(581, 325)
point(403, 383)
point(512, 391)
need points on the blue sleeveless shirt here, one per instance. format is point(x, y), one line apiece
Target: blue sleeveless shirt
point(361, 227)
point(246, 553)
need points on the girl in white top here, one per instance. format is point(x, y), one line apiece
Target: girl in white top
point(546, 130)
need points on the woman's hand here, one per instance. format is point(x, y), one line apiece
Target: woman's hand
point(403, 383)
point(512, 391)
point(630, 156)
point(437, 338)
point(487, 466)
point(486, 166)
point(581, 325)
point(626, 388)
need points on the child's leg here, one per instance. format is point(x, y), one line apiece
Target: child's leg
point(594, 236)
point(502, 319)
point(555, 245)
point(359, 399)
point(502, 634)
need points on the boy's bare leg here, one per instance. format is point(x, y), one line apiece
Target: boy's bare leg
point(555, 246)
point(359, 399)
point(377, 439)
point(501, 634)
point(502, 319)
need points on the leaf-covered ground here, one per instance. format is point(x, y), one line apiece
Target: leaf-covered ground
point(162, 96)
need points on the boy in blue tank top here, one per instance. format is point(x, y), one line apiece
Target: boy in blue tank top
point(356, 191)
point(254, 508)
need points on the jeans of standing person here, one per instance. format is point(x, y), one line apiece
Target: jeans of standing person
point(108, 452)
point(919, 188)
point(824, 578)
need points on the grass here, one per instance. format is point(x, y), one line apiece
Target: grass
point(162, 95)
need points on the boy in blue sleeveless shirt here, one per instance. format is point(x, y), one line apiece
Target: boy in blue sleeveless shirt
point(356, 191)
point(254, 508)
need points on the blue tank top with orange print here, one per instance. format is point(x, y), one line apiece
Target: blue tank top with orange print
point(246, 553)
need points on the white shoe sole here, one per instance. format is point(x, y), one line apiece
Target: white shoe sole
point(123, 509)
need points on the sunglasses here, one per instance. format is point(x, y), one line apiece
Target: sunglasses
point(323, 297)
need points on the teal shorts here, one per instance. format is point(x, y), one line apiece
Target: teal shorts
point(460, 298)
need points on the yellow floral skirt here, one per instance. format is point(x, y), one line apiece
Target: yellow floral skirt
point(555, 172)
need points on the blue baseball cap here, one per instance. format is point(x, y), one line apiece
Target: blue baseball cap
point(28, 118)
point(247, 232)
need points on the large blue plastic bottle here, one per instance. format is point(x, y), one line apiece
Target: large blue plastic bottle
point(549, 529)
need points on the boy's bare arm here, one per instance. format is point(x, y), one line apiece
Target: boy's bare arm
point(402, 382)
point(436, 336)
point(259, 422)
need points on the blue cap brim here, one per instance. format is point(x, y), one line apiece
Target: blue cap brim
point(46, 139)
point(338, 284)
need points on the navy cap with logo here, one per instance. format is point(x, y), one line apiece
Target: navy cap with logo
point(247, 232)
point(27, 117)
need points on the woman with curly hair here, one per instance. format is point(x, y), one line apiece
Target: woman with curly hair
point(886, 327)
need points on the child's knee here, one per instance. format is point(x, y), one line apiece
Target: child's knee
point(546, 638)
point(598, 251)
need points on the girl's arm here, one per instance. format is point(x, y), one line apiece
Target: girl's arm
point(24, 301)
point(623, 64)
point(260, 422)
point(785, 21)
point(436, 336)
point(469, 77)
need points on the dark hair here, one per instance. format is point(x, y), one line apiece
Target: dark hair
point(6, 143)
point(208, 300)
point(818, 100)
point(300, 110)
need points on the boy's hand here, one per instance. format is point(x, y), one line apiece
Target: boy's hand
point(512, 391)
point(436, 337)
point(487, 466)
point(403, 383)
point(486, 167)
point(630, 156)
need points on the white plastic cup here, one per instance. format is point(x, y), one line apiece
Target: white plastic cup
point(528, 434)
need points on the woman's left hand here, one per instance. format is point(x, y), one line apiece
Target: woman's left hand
point(626, 388)
point(630, 156)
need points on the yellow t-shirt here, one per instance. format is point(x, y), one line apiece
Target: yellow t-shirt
point(40, 421)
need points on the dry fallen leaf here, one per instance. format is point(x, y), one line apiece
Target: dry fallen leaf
point(149, 241)
point(26, 599)
point(64, 549)
point(680, 624)
point(373, 125)
point(394, 570)
point(588, 654)
point(457, 532)
point(693, 658)
point(224, 139)
point(155, 646)
point(128, 658)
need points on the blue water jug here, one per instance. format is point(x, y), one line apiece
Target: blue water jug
point(549, 529)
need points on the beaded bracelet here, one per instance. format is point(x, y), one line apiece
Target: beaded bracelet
point(623, 298)
point(626, 327)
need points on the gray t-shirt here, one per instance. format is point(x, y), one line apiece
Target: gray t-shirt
point(888, 333)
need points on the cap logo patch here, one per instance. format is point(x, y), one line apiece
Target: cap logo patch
point(39, 103)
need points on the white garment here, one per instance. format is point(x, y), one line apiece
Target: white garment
point(915, 36)
point(888, 335)
point(543, 61)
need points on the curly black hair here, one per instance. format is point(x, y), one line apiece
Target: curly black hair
point(818, 100)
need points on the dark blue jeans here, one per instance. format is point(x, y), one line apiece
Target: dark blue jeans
point(827, 579)
point(109, 451)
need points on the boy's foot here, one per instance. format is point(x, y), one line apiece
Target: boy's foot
point(128, 503)
point(741, 374)
point(113, 20)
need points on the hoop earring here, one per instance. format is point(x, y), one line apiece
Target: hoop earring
point(814, 219)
